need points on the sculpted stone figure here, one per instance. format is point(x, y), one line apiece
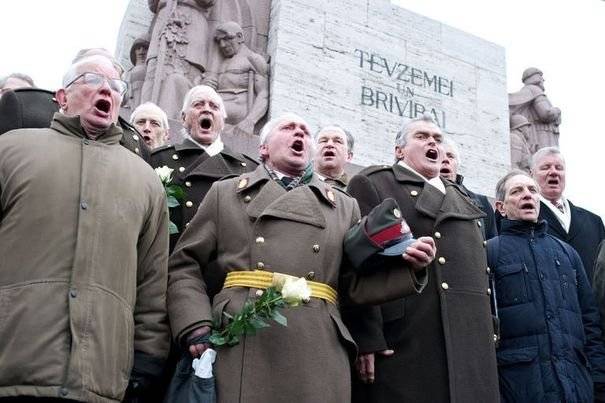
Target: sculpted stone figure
point(241, 79)
point(520, 153)
point(178, 51)
point(135, 77)
point(532, 103)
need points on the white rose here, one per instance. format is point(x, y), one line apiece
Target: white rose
point(295, 290)
point(164, 173)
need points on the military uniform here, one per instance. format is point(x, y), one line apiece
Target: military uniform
point(443, 338)
point(340, 182)
point(195, 171)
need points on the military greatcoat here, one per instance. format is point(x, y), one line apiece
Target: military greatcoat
point(252, 223)
point(443, 338)
point(195, 171)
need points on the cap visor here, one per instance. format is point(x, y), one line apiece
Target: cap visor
point(398, 248)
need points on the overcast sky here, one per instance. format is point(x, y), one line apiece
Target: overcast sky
point(562, 38)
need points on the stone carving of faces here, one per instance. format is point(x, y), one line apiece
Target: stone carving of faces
point(229, 38)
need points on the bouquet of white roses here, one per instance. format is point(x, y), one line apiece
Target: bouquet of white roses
point(174, 193)
point(287, 291)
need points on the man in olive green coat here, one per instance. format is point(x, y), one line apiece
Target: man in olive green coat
point(278, 219)
point(83, 251)
point(437, 346)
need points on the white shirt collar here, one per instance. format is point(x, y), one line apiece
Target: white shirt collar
point(213, 149)
point(435, 182)
point(563, 218)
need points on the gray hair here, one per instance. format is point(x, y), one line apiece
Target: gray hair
point(402, 135)
point(83, 53)
point(153, 107)
point(454, 146)
point(544, 152)
point(74, 69)
point(348, 135)
point(200, 90)
point(273, 123)
point(501, 185)
point(19, 76)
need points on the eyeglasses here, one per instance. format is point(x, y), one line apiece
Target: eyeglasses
point(96, 80)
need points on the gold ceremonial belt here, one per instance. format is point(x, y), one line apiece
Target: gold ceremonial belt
point(265, 279)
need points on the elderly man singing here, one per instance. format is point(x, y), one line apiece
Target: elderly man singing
point(278, 219)
point(84, 249)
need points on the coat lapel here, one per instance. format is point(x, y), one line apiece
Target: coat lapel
point(457, 204)
point(554, 225)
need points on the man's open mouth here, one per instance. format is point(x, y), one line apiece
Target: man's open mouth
point(298, 146)
point(553, 181)
point(103, 105)
point(329, 153)
point(528, 207)
point(445, 170)
point(147, 139)
point(432, 154)
point(205, 123)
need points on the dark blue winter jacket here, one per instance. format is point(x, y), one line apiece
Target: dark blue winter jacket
point(551, 348)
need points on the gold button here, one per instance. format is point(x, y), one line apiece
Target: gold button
point(189, 203)
point(397, 213)
point(489, 291)
point(135, 137)
point(484, 244)
point(188, 184)
point(414, 193)
point(479, 224)
point(441, 260)
point(136, 150)
point(316, 248)
point(438, 235)
point(187, 224)
point(495, 337)
point(247, 199)
point(445, 286)
point(260, 265)
point(488, 270)
point(311, 275)
point(260, 239)
point(175, 157)
point(181, 169)
point(243, 164)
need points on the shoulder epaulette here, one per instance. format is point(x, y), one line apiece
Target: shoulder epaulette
point(374, 168)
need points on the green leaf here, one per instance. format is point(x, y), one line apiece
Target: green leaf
point(172, 202)
point(172, 228)
point(258, 323)
point(279, 318)
point(217, 340)
point(175, 191)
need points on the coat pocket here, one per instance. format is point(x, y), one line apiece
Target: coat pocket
point(520, 375)
point(512, 285)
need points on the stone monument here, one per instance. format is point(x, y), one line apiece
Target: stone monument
point(135, 77)
point(367, 66)
point(520, 154)
point(532, 102)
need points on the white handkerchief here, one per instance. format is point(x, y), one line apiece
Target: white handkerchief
point(203, 365)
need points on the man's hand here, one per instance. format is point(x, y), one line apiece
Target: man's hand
point(365, 365)
point(421, 253)
point(196, 350)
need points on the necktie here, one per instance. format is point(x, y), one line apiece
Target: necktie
point(559, 206)
point(286, 180)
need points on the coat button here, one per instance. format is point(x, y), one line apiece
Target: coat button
point(495, 337)
point(414, 193)
point(188, 184)
point(489, 291)
point(484, 244)
point(135, 137)
point(247, 199)
point(316, 248)
point(73, 293)
point(260, 239)
point(438, 235)
point(84, 205)
point(259, 293)
point(136, 150)
point(311, 275)
point(445, 286)
point(187, 224)
point(260, 265)
point(63, 391)
point(243, 164)
point(181, 169)
point(488, 270)
point(479, 223)
point(189, 203)
point(175, 157)
point(441, 260)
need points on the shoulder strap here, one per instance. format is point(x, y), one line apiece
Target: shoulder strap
point(493, 252)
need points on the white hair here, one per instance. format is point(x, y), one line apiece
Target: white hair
point(74, 69)
point(200, 91)
point(452, 144)
point(401, 138)
point(270, 126)
point(544, 152)
point(153, 108)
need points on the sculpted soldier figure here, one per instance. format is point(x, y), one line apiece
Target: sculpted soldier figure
point(135, 77)
point(520, 153)
point(278, 220)
point(241, 79)
point(178, 51)
point(532, 103)
point(202, 158)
